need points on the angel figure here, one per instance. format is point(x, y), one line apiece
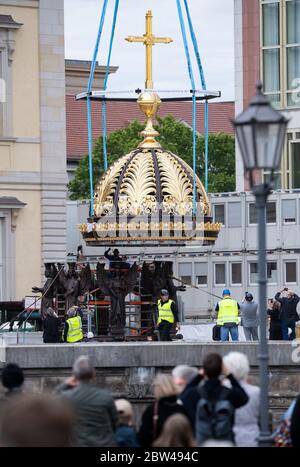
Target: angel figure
point(117, 286)
point(48, 290)
point(74, 284)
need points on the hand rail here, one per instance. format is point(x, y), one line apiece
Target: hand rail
point(34, 309)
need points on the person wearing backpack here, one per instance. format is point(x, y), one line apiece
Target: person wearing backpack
point(211, 406)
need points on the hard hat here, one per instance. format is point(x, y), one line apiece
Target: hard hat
point(164, 292)
point(226, 292)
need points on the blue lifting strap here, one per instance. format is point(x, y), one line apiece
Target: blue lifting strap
point(89, 113)
point(203, 82)
point(188, 58)
point(104, 132)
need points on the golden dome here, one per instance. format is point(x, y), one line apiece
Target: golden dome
point(147, 196)
point(146, 180)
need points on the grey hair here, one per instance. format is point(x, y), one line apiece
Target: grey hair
point(238, 364)
point(72, 312)
point(185, 372)
point(51, 313)
point(83, 370)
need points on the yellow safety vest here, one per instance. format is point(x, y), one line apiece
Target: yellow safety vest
point(228, 312)
point(75, 333)
point(165, 312)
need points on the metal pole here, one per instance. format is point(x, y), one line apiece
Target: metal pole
point(261, 194)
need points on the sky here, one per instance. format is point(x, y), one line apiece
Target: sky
point(213, 23)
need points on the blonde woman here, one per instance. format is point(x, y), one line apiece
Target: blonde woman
point(165, 405)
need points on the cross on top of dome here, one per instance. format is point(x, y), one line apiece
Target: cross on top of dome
point(149, 40)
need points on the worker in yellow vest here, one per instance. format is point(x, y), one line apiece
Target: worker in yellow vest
point(167, 315)
point(228, 311)
point(73, 326)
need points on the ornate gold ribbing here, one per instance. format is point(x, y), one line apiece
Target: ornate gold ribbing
point(176, 186)
point(105, 190)
point(138, 189)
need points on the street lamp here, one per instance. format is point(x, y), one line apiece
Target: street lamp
point(261, 133)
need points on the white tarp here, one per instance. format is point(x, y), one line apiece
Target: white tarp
point(202, 332)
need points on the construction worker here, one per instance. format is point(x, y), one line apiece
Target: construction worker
point(167, 315)
point(73, 326)
point(228, 311)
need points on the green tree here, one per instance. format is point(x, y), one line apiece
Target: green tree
point(174, 136)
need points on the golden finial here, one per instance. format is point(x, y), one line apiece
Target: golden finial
point(149, 40)
point(149, 101)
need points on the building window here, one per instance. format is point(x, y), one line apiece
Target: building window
point(291, 161)
point(201, 273)
point(291, 272)
point(271, 51)
point(234, 214)
point(271, 213)
point(280, 50)
point(220, 274)
point(293, 52)
point(253, 273)
point(288, 211)
point(185, 272)
point(272, 272)
point(2, 96)
point(295, 165)
point(8, 29)
point(219, 210)
point(236, 273)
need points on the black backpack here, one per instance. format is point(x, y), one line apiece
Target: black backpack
point(214, 418)
point(216, 333)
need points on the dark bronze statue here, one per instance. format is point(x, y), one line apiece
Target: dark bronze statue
point(48, 290)
point(74, 284)
point(117, 285)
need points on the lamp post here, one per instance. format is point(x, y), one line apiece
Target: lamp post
point(261, 133)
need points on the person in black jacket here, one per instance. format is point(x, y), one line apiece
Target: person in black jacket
point(295, 425)
point(165, 405)
point(212, 370)
point(288, 313)
point(115, 259)
point(275, 332)
point(51, 325)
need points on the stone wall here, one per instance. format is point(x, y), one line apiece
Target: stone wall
point(127, 369)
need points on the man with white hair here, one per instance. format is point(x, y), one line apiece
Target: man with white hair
point(73, 326)
point(185, 376)
point(246, 429)
point(95, 410)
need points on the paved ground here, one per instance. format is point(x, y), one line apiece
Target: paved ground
point(190, 332)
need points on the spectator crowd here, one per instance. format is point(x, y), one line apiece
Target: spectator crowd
point(215, 405)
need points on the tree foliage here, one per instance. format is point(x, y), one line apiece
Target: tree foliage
point(174, 136)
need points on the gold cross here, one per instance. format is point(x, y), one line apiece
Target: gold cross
point(149, 40)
